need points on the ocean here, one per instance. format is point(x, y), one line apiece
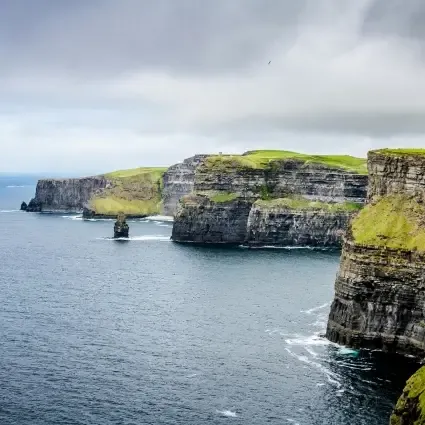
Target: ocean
point(144, 331)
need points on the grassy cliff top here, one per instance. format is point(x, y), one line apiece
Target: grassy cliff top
point(410, 408)
point(395, 221)
point(401, 152)
point(299, 203)
point(135, 192)
point(262, 158)
point(151, 172)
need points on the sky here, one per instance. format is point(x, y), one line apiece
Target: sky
point(89, 86)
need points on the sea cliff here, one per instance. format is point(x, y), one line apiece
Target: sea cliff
point(379, 290)
point(271, 198)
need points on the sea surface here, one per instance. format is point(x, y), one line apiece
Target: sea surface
point(144, 331)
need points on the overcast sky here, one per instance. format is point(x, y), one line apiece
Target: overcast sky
point(93, 85)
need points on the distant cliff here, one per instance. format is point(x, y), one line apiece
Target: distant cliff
point(272, 198)
point(178, 181)
point(380, 287)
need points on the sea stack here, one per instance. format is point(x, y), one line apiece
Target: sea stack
point(121, 228)
point(380, 287)
point(24, 206)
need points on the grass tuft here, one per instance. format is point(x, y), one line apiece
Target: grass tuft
point(395, 221)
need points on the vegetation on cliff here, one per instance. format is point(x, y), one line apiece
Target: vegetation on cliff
point(410, 408)
point(401, 152)
point(394, 221)
point(135, 192)
point(262, 159)
point(300, 203)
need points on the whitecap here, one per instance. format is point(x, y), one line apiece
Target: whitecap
point(227, 413)
point(304, 341)
point(139, 238)
point(159, 218)
point(312, 310)
point(9, 211)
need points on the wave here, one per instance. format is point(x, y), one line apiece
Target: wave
point(9, 211)
point(139, 238)
point(227, 413)
point(312, 310)
point(160, 218)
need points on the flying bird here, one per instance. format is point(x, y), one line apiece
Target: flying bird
point(270, 62)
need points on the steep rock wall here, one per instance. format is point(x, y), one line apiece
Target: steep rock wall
point(282, 226)
point(379, 300)
point(200, 220)
point(380, 287)
point(67, 194)
point(179, 181)
point(281, 178)
point(395, 171)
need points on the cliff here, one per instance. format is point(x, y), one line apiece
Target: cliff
point(410, 408)
point(288, 199)
point(379, 290)
point(135, 192)
point(179, 181)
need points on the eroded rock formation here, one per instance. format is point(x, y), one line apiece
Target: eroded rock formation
point(121, 228)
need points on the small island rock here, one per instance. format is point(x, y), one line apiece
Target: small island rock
point(24, 206)
point(121, 228)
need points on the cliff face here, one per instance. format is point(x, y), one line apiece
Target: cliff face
point(179, 181)
point(298, 193)
point(201, 220)
point(410, 408)
point(67, 194)
point(393, 172)
point(279, 225)
point(379, 290)
point(280, 178)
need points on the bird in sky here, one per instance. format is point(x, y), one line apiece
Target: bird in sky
point(270, 62)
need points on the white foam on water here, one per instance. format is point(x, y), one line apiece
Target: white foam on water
point(160, 218)
point(73, 217)
point(227, 413)
point(348, 351)
point(312, 310)
point(139, 238)
point(330, 376)
point(13, 186)
point(8, 211)
point(305, 341)
point(311, 352)
point(292, 421)
point(192, 375)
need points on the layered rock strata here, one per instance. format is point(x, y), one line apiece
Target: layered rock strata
point(179, 181)
point(287, 199)
point(380, 287)
point(121, 228)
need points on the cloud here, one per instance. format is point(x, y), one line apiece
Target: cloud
point(108, 81)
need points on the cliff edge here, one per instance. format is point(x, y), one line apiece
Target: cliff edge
point(380, 287)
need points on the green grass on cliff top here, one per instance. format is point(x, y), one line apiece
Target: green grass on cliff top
point(402, 152)
point(412, 400)
point(262, 158)
point(395, 221)
point(136, 191)
point(299, 203)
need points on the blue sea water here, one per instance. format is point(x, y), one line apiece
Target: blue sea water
point(95, 331)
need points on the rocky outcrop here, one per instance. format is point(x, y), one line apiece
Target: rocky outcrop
point(270, 223)
point(201, 220)
point(179, 181)
point(299, 183)
point(66, 195)
point(380, 287)
point(410, 408)
point(121, 228)
point(24, 206)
